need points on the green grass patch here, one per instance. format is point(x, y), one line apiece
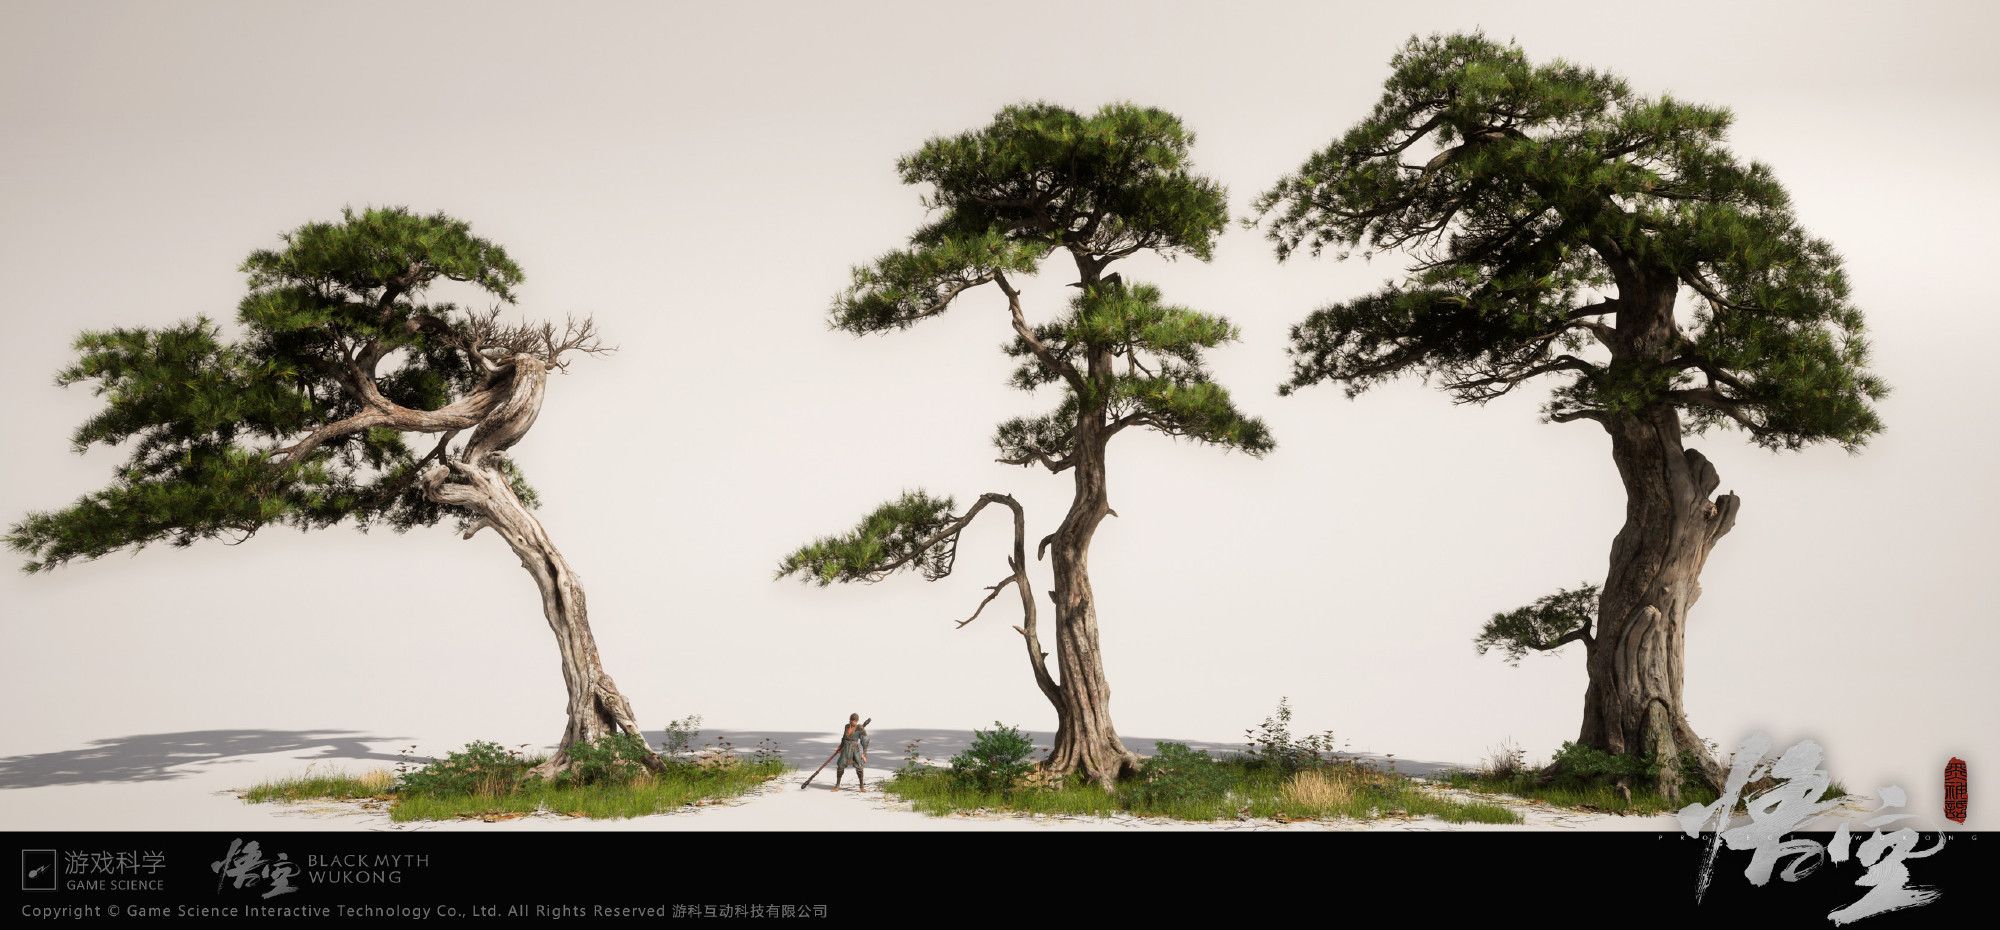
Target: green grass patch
point(1603, 797)
point(1280, 777)
point(606, 779)
point(1599, 798)
point(1226, 789)
point(681, 785)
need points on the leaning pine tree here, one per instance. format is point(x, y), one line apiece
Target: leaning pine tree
point(1039, 179)
point(1564, 226)
point(307, 418)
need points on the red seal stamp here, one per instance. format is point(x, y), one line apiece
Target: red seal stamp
point(1954, 790)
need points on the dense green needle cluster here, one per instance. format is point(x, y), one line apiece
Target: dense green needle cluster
point(905, 531)
point(1527, 194)
point(231, 435)
point(1551, 622)
point(1039, 178)
point(1158, 380)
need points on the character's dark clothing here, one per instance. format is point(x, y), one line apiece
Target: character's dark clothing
point(853, 746)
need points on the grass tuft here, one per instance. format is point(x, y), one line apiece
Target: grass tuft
point(608, 778)
point(1597, 798)
point(1341, 791)
point(334, 785)
point(680, 786)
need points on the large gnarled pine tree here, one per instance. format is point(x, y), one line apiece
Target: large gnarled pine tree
point(307, 418)
point(1563, 226)
point(1040, 180)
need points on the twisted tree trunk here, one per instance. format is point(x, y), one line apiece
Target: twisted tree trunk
point(1085, 740)
point(1633, 703)
point(475, 482)
point(1038, 660)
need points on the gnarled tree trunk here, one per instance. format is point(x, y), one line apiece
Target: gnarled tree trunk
point(1085, 739)
point(475, 482)
point(1633, 703)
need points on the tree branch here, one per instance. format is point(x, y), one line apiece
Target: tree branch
point(992, 592)
point(1580, 634)
point(1509, 381)
point(1052, 463)
point(366, 419)
point(1566, 416)
point(1027, 334)
point(1715, 400)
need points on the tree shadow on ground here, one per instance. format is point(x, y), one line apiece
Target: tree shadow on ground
point(888, 748)
point(167, 756)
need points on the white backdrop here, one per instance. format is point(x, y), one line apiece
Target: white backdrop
point(701, 178)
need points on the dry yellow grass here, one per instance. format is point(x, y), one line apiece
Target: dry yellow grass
point(1319, 789)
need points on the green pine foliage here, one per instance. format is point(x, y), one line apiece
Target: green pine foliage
point(1551, 622)
point(904, 531)
point(214, 423)
point(908, 285)
point(1548, 208)
point(1164, 385)
point(1042, 178)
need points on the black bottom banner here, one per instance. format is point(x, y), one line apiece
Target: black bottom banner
point(1799, 879)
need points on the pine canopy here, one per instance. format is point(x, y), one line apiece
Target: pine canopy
point(1102, 187)
point(303, 419)
point(1554, 215)
point(1039, 178)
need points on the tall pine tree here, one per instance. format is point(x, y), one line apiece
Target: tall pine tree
point(1038, 180)
point(307, 418)
point(1563, 226)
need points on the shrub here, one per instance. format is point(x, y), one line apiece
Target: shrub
point(1273, 745)
point(680, 736)
point(481, 768)
point(1584, 765)
point(996, 760)
point(913, 757)
point(1176, 776)
point(1507, 760)
point(614, 758)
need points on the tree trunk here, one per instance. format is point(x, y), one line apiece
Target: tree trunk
point(1085, 739)
point(475, 482)
point(1633, 704)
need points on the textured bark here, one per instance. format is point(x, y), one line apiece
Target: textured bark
point(1633, 703)
point(1085, 740)
point(474, 482)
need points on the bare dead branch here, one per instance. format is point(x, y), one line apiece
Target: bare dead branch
point(992, 592)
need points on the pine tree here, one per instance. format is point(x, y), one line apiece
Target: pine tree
point(1004, 198)
point(1563, 226)
point(307, 418)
